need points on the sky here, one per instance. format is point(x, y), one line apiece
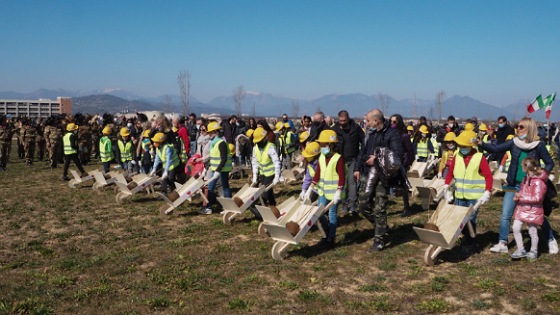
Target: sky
point(498, 52)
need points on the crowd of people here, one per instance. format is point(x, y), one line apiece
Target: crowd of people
point(340, 157)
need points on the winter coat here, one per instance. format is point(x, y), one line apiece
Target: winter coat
point(529, 207)
point(536, 149)
point(349, 140)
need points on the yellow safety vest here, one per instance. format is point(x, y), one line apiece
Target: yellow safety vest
point(126, 151)
point(508, 161)
point(105, 149)
point(485, 138)
point(266, 166)
point(163, 157)
point(183, 154)
point(469, 184)
point(422, 148)
point(68, 150)
point(435, 144)
point(328, 183)
point(215, 158)
point(289, 139)
point(311, 170)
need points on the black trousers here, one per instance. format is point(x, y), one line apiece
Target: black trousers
point(74, 158)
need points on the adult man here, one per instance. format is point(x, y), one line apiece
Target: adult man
point(193, 130)
point(503, 130)
point(317, 126)
point(179, 123)
point(350, 138)
point(380, 135)
point(228, 129)
point(451, 126)
point(289, 121)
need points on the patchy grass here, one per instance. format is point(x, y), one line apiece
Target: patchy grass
point(75, 251)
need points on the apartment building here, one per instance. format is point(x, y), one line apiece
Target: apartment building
point(36, 108)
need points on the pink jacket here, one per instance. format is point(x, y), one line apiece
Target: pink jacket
point(529, 208)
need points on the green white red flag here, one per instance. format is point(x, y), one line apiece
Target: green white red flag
point(548, 101)
point(539, 103)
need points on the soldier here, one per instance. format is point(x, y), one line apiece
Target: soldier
point(84, 140)
point(53, 136)
point(19, 126)
point(40, 140)
point(6, 132)
point(95, 136)
point(29, 134)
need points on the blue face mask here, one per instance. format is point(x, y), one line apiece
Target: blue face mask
point(523, 137)
point(501, 125)
point(465, 151)
point(325, 151)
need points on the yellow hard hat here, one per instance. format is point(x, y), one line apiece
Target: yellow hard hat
point(231, 148)
point(509, 137)
point(423, 129)
point(467, 138)
point(146, 133)
point(311, 149)
point(279, 126)
point(159, 137)
point(303, 136)
point(106, 130)
point(174, 129)
point(249, 133)
point(212, 126)
point(450, 136)
point(327, 136)
point(124, 132)
point(259, 135)
point(71, 127)
point(482, 127)
point(469, 126)
point(410, 128)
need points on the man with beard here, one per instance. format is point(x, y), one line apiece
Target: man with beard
point(350, 139)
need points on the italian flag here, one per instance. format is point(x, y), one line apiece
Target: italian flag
point(548, 102)
point(539, 103)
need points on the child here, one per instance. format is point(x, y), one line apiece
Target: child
point(329, 178)
point(447, 155)
point(529, 207)
point(146, 152)
point(422, 145)
point(473, 177)
point(311, 154)
point(106, 149)
point(125, 148)
point(167, 156)
point(266, 164)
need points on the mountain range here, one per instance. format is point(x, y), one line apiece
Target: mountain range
point(264, 104)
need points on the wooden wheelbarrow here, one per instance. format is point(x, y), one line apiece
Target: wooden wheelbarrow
point(498, 180)
point(293, 175)
point(450, 220)
point(105, 179)
point(431, 192)
point(241, 201)
point(77, 180)
point(275, 215)
point(182, 193)
point(292, 226)
point(421, 169)
point(139, 183)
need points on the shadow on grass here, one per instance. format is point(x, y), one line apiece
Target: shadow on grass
point(462, 252)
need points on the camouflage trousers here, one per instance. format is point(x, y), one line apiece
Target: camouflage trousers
point(40, 149)
point(29, 147)
point(373, 206)
point(4, 153)
point(53, 152)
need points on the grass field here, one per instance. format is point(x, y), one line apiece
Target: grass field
point(75, 251)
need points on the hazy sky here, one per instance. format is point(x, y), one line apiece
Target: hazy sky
point(496, 51)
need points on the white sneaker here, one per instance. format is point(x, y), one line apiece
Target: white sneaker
point(205, 211)
point(553, 247)
point(532, 255)
point(501, 247)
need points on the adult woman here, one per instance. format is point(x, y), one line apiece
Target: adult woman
point(406, 159)
point(525, 144)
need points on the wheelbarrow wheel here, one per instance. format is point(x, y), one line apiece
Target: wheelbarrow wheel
point(166, 209)
point(228, 218)
point(262, 230)
point(96, 186)
point(120, 197)
point(428, 256)
point(279, 251)
point(72, 183)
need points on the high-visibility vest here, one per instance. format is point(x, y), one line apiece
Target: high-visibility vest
point(68, 149)
point(163, 157)
point(289, 140)
point(266, 166)
point(422, 148)
point(435, 144)
point(469, 184)
point(183, 154)
point(311, 170)
point(486, 138)
point(146, 144)
point(126, 151)
point(508, 161)
point(328, 183)
point(105, 149)
point(215, 158)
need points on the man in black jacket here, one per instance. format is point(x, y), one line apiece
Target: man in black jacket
point(317, 126)
point(380, 135)
point(503, 130)
point(350, 139)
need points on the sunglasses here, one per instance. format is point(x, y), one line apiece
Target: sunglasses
point(520, 127)
point(394, 122)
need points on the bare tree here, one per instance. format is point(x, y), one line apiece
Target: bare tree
point(384, 102)
point(439, 104)
point(238, 96)
point(295, 109)
point(184, 81)
point(167, 102)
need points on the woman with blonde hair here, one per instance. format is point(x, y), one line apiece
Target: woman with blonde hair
point(525, 144)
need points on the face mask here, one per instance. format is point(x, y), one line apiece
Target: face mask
point(434, 135)
point(129, 125)
point(237, 124)
point(423, 135)
point(197, 126)
point(393, 125)
point(465, 151)
point(325, 151)
point(523, 137)
point(451, 146)
point(501, 125)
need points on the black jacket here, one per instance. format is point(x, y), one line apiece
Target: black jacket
point(349, 140)
point(501, 135)
point(386, 137)
point(315, 130)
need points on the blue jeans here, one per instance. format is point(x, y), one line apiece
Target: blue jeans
point(468, 203)
point(508, 208)
point(193, 148)
point(224, 178)
point(328, 226)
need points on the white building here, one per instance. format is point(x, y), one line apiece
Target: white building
point(36, 108)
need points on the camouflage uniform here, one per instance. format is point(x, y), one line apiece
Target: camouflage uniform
point(84, 144)
point(40, 142)
point(29, 134)
point(53, 137)
point(6, 132)
point(377, 215)
point(95, 136)
point(20, 140)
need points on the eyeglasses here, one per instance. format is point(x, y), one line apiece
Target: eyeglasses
point(394, 122)
point(520, 127)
